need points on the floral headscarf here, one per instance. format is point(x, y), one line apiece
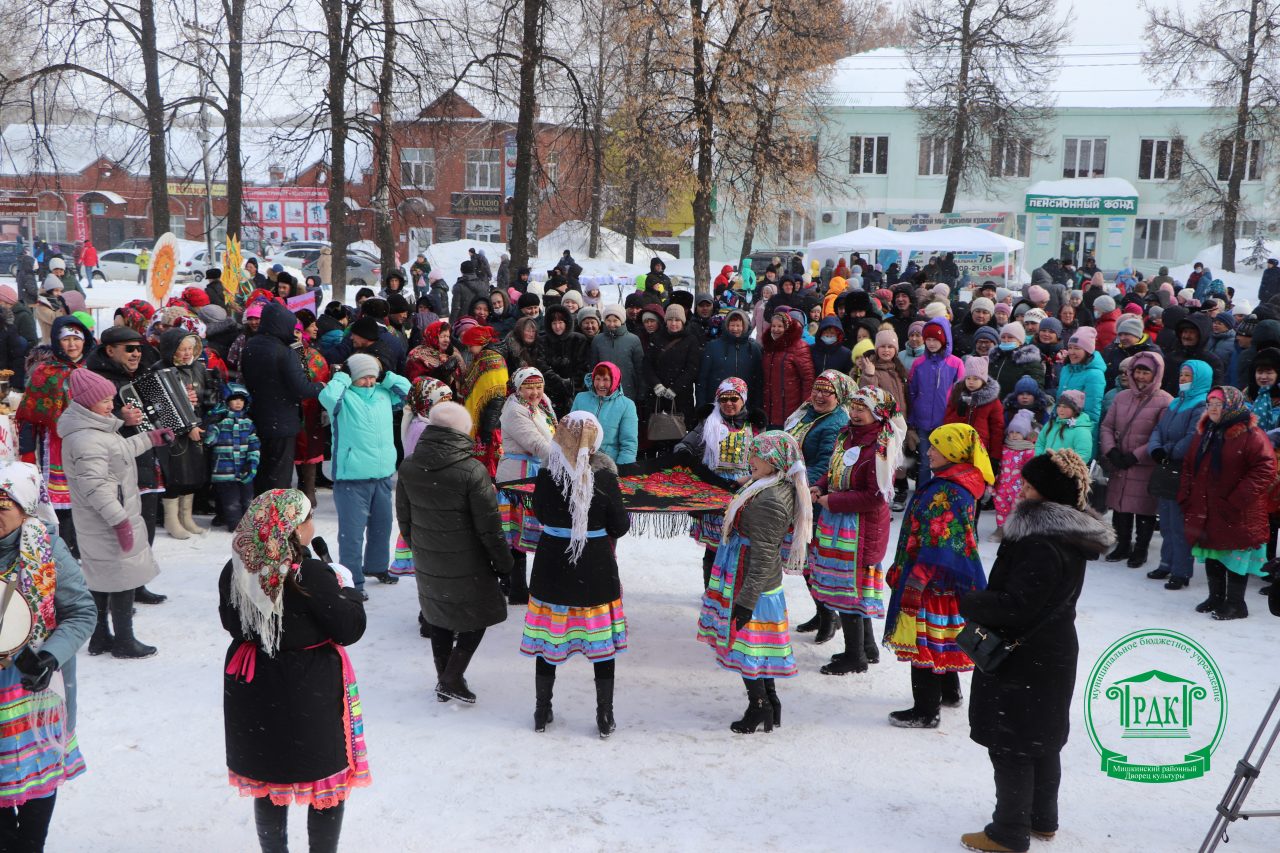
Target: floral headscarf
point(263, 559)
point(960, 443)
point(892, 434)
point(1235, 409)
point(425, 392)
point(780, 450)
point(714, 429)
point(431, 337)
point(577, 436)
point(137, 315)
point(841, 384)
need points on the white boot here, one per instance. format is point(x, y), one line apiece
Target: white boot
point(185, 504)
point(172, 522)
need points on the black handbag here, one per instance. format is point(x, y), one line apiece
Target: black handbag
point(184, 467)
point(1165, 481)
point(988, 650)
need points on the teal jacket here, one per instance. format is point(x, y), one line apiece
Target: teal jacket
point(363, 448)
point(617, 416)
point(1060, 435)
point(1089, 378)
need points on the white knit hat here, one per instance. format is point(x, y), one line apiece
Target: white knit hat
point(361, 365)
point(450, 415)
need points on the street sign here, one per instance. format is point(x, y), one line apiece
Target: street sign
point(19, 205)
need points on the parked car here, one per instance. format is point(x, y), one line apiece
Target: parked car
point(294, 257)
point(193, 269)
point(361, 271)
point(117, 265)
point(135, 244)
point(9, 254)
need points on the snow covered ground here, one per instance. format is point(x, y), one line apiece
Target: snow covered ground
point(446, 776)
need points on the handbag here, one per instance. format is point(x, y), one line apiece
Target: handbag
point(666, 426)
point(1165, 481)
point(987, 649)
point(184, 467)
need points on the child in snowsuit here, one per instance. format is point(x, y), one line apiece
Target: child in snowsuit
point(235, 451)
point(1019, 446)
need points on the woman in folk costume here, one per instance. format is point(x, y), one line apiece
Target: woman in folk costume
point(815, 426)
point(424, 393)
point(852, 530)
point(937, 563)
point(744, 613)
point(721, 443)
point(483, 390)
point(291, 708)
point(575, 597)
point(38, 691)
point(528, 423)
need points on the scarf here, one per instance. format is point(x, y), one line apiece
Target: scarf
point(577, 436)
point(714, 429)
point(485, 381)
point(843, 386)
point(780, 450)
point(959, 443)
point(1213, 436)
point(890, 437)
point(263, 559)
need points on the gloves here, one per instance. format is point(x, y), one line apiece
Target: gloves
point(124, 535)
point(37, 669)
point(1158, 456)
point(1130, 460)
point(659, 390)
point(1116, 457)
point(160, 437)
point(741, 616)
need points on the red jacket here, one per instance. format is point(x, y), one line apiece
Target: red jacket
point(863, 495)
point(89, 255)
point(788, 374)
point(1225, 509)
point(1106, 326)
point(985, 415)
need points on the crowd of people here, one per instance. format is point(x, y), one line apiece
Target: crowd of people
point(826, 398)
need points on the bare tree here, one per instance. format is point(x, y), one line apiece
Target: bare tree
point(982, 69)
point(384, 140)
point(1230, 48)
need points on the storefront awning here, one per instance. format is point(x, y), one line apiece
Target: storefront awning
point(1083, 197)
point(108, 195)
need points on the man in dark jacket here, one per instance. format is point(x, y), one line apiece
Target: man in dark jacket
point(1194, 334)
point(465, 291)
point(1270, 286)
point(829, 351)
point(1130, 340)
point(273, 374)
point(448, 513)
point(732, 353)
point(657, 275)
point(28, 284)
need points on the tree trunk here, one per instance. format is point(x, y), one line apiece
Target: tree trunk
point(955, 145)
point(530, 58)
point(1240, 143)
point(234, 10)
point(705, 121)
point(155, 120)
point(383, 232)
point(597, 144)
point(336, 96)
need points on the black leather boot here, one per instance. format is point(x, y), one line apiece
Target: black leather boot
point(759, 709)
point(604, 707)
point(126, 645)
point(827, 624)
point(869, 644)
point(1146, 526)
point(324, 826)
point(771, 692)
point(101, 641)
point(1234, 606)
point(146, 596)
point(854, 658)
point(926, 690)
point(1215, 577)
point(1122, 523)
point(543, 685)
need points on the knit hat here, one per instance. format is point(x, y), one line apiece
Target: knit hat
point(528, 300)
point(574, 297)
point(450, 415)
point(8, 296)
point(975, 365)
point(1246, 326)
point(1051, 324)
point(1026, 384)
point(1035, 315)
point(1003, 309)
point(89, 388)
point(1104, 305)
point(982, 303)
point(367, 328)
point(986, 333)
point(211, 313)
point(1129, 325)
point(587, 313)
point(1073, 399)
point(916, 328)
point(1060, 476)
point(1086, 337)
point(361, 365)
point(85, 318)
point(1134, 308)
point(1021, 422)
point(675, 312)
point(933, 330)
point(941, 289)
point(1225, 319)
point(1186, 294)
point(195, 297)
point(254, 310)
point(52, 283)
point(1014, 330)
point(615, 310)
point(887, 337)
point(934, 310)
point(1037, 294)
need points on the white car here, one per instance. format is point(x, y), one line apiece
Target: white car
point(117, 265)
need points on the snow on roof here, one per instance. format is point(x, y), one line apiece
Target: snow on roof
point(1089, 77)
point(1083, 188)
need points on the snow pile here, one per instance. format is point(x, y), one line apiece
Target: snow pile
point(1246, 280)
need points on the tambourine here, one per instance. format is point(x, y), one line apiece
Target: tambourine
point(17, 622)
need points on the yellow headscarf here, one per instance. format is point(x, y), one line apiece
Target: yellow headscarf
point(960, 443)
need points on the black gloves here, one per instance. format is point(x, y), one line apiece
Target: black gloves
point(1158, 456)
point(741, 616)
point(1130, 460)
point(37, 669)
point(1116, 457)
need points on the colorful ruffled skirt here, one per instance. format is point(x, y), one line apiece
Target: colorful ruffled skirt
point(520, 527)
point(924, 629)
point(555, 632)
point(402, 561)
point(332, 790)
point(835, 578)
point(706, 529)
point(36, 753)
point(762, 648)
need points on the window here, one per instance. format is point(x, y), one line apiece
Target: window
point(178, 225)
point(868, 155)
point(1084, 158)
point(1245, 229)
point(550, 166)
point(487, 230)
point(418, 168)
point(1010, 158)
point(933, 156)
point(1153, 239)
point(795, 228)
point(855, 219)
point(51, 226)
point(1160, 160)
point(1252, 159)
point(484, 169)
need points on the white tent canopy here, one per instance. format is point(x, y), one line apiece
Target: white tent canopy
point(959, 239)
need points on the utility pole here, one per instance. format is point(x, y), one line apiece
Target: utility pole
point(203, 134)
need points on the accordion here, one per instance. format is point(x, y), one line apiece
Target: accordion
point(162, 397)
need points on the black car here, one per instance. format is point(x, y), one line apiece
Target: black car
point(9, 253)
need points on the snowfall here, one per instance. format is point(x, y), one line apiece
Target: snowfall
point(446, 776)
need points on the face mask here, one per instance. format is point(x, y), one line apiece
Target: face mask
point(1184, 387)
point(1008, 346)
point(828, 339)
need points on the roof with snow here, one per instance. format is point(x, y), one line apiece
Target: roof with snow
point(1083, 188)
point(1088, 77)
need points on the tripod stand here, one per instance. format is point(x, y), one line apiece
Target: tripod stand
point(1246, 774)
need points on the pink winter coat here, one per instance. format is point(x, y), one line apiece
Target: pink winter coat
point(1128, 425)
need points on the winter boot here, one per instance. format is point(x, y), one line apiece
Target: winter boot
point(1122, 523)
point(759, 710)
point(186, 506)
point(827, 624)
point(324, 828)
point(854, 658)
point(543, 685)
point(441, 661)
point(126, 645)
point(899, 495)
point(952, 695)
point(604, 707)
point(1234, 606)
point(452, 684)
point(142, 595)
point(101, 641)
point(982, 842)
point(813, 624)
point(926, 689)
point(1215, 575)
point(1146, 526)
point(272, 825)
point(771, 692)
point(172, 521)
point(869, 644)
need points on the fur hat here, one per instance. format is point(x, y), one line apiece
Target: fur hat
point(450, 415)
point(1059, 476)
point(89, 388)
point(975, 365)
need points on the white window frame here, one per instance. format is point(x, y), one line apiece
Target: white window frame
point(484, 169)
point(178, 225)
point(872, 148)
point(795, 228)
point(1253, 160)
point(484, 230)
point(1171, 148)
point(855, 219)
point(418, 165)
point(934, 155)
point(1082, 162)
point(51, 225)
point(1158, 243)
point(1003, 151)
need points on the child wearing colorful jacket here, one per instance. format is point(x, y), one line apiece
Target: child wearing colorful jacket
point(235, 451)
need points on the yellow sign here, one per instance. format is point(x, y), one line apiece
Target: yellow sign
point(218, 190)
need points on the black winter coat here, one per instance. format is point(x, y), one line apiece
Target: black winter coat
point(1270, 287)
point(673, 361)
point(593, 580)
point(567, 358)
point(98, 362)
point(286, 724)
point(448, 513)
point(1177, 353)
point(273, 374)
point(727, 356)
point(1025, 705)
